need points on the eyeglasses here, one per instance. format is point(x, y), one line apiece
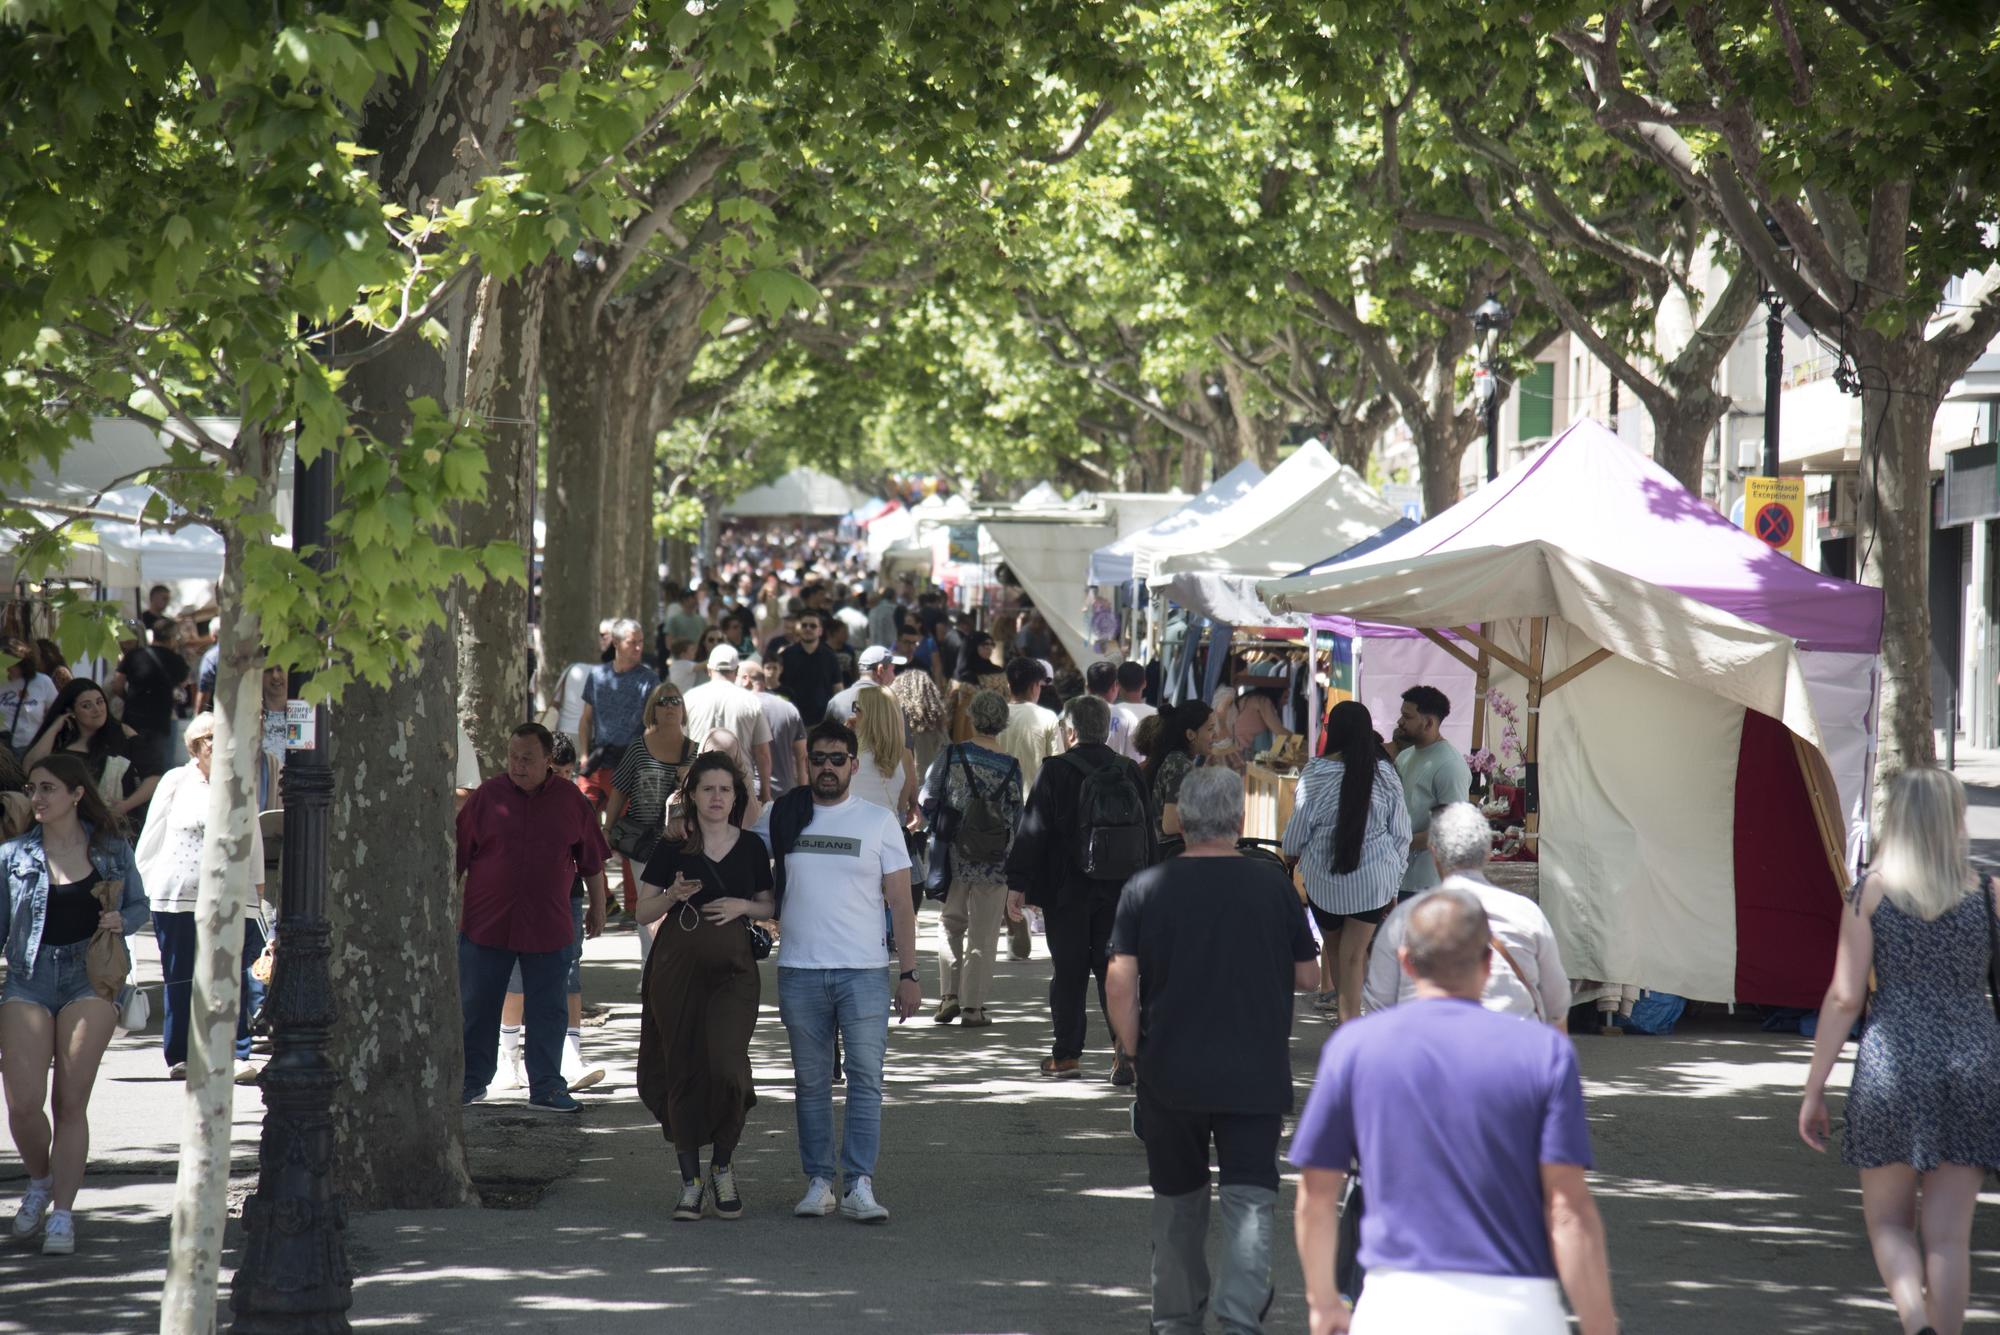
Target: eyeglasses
point(823, 759)
point(671, 701)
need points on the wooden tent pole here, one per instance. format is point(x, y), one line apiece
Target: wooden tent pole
point(1480, 676)
point(1538, 632)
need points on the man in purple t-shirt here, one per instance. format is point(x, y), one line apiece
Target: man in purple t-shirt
point(1469, 1127)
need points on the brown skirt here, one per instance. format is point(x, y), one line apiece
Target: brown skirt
point(701, 990)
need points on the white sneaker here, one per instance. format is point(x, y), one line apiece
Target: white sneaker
point(513, 1071)
point(818, 1200)
point(29, 1215)
point(248, 1073)
point(860, 1205)
point(59, 1239)
point(574, 1071)
point(693, 1194)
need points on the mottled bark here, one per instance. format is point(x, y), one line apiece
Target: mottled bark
point(492, 630)
point(201, 1188)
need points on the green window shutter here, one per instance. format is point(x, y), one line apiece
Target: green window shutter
point(1537, 394)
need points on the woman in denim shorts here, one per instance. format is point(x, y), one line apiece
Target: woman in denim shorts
point(49, 1013)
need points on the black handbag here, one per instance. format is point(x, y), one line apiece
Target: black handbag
point(1993, 938)
point(944, 832)
point(1348, 1275)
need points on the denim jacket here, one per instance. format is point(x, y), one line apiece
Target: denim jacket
point(26, 869)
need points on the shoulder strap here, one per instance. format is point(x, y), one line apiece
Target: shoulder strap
point(1514, 964)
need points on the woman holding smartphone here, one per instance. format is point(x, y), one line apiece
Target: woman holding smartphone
point(705, 884)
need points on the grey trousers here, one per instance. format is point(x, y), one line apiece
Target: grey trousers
point(1181, 1290)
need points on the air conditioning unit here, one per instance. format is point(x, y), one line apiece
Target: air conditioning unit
point(1750, 453)
point(1843, 503)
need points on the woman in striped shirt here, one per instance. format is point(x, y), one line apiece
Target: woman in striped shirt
point(1350, 835)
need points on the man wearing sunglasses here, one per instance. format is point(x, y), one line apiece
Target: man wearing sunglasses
point(843, 889)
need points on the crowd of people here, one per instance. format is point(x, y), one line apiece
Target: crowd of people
point(798, 765)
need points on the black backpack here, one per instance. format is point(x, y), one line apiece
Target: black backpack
point(983, 832)
point(1114, 825)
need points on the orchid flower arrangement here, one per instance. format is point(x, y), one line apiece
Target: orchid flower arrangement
point(1511, 761)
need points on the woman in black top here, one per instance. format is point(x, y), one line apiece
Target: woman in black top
point(80, 723)
point(705, 885)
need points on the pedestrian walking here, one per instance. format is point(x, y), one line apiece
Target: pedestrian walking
point(614, 710)
point(788, 731)
point(522, 841)
point(647, 776)
point(1087, 828)
point(886, 773)
point(809, 670)
point(842, 863)
point(720, 702)
point(169, 860)
point(25, 695)
point(924, 718)
point(1100, 679)
point(707, 884)
point(1033, 733)
point(1350, 835)
point(1527, 978)
point(149, 679)
point(1470, 1132)
point(878, 670)
point(1434, 776)
point(1923, 1113)
point(62, 878)
point(79, 722)
point(1206, 952)
point(1182, 743)
point(973, 673)
point(973, 795)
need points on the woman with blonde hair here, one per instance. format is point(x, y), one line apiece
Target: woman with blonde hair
point(924, 714)
point(885, 773)
point(1923, 1113)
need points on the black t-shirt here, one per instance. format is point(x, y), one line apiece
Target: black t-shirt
point(809, 680)
point(72, 913)
point(743, 873)
point(1216, 939)
point(151, 676)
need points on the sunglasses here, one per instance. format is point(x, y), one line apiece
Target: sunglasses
point(671, 701)
point(822, 759)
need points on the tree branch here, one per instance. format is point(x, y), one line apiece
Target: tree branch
point(1075, 143)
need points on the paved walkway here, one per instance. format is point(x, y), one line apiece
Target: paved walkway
point(1019, 1205)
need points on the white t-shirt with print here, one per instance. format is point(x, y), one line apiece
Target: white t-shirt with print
point(833, 916)
point(21, 710)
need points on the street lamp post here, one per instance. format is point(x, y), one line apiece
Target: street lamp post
point(295, 1276)
point(1774, 373)
point(1490, 320)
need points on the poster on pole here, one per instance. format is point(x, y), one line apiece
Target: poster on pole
point(962, 544)
point(1774, 512)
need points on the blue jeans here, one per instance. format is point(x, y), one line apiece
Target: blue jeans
point(175, 934)
point(814, 1004)
point(514, 987)
point(482, 986)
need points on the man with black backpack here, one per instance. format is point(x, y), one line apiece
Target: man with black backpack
point(1088, 826)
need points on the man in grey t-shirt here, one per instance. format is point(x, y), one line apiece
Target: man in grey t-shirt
point(1434, 776)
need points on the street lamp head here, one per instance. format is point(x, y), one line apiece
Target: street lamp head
point(1491, 316)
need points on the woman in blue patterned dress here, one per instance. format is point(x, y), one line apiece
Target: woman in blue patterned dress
point(1923, 1114)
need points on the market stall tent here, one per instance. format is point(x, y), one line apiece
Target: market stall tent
point(1117, 562)
point(1049, 554)
point(1697, 711)
point(1334, 512)
point(803, 493)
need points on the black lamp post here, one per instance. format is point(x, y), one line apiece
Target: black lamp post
point(1490, 320)
point(294, 1276)
point(1774, 351)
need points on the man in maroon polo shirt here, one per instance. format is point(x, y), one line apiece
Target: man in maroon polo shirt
point(522, 841)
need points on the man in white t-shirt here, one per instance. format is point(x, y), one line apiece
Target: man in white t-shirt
point(720, 703)
point(1132, 706)
point(844, 903)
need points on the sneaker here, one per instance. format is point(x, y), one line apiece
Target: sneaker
point(1061, 1068)
point(28, 1217)
point(472, 1096)
point(248, 1073)
point(978, 1019)
point(513, 1071)
point(178, 1071)
point(722, 1193)
point(556, 1100)
point(1123, 1073)
point(860, 1205)
point(59, 1238)
point(688, 1209)
point(1326, 1001)
point(575, 1072)
point(946, 1012)
point(818, 1200)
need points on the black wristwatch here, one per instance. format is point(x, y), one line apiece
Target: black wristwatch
point(910, 974)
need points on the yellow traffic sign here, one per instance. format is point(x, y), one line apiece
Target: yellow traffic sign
point(1774, 512)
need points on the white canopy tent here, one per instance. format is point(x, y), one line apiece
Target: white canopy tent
point(1116, 562)
point(1333, 514)
point(801, 492)
point(1697, 776)
point(1049, 553)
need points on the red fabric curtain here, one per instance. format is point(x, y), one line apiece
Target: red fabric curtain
point(1787, 902)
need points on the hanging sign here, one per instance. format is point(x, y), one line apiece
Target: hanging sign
point(301, 729)
point(1774, 512)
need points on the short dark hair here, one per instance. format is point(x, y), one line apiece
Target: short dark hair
point(828, 730)
point(562, 751)
point(1022, 674)
point(540, 734)
point(1100, 677)
point(1132, 676)
point(158, 588)
point(1429, 701)
point(812, 614)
